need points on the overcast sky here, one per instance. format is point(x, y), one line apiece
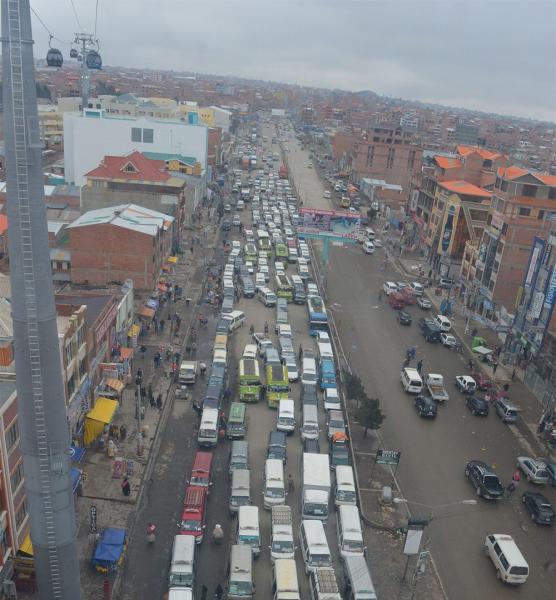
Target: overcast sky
point(492, 55)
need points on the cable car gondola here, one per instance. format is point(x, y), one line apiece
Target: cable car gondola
point(94, 60)
point(74, 53)
point(54, 58)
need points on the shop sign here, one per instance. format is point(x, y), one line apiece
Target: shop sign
point(101, 330)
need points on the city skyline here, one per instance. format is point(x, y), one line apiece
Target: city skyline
point(437, 53)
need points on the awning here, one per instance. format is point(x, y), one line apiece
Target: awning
point(75, 478)
point(77, 453)
point(127, 353)
point(115, 384)
point(27, 546)
point(134, 330)
point(482, 350)
point(146, 312)
point(101, 415)
point(172, 260)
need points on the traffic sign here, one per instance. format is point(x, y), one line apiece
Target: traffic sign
point(387, 457)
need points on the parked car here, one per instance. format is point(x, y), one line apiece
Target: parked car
point(443, 323)
point(484, 480)
point(277, 445)
point(539, 507)
point(311, 446)
point(426, 407)
point(534, 469)
point(389, 287)
point(448, 340)
point(424, 303)
point(404, 317)
point(477, 406)
point(465, 384)
point(446, 282)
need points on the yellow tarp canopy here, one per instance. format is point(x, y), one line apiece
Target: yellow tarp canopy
point(96, 419)
point(27, 546)
point(134, 330)
point(116, 385)
point(172, 259)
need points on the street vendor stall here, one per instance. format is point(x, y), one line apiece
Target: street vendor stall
point(97, 418)
point(484, 353)
point(110, 550)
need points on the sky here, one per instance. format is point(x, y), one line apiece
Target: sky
point(491, 55)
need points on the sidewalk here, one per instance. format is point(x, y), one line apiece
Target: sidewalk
point(528, 404)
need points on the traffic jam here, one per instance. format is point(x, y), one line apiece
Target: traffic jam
point(267, 271)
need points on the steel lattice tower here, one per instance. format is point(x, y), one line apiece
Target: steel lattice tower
point(42, 415)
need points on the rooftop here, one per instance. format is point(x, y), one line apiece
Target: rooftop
point(127, 216)
point(465, 188)
point(163, 156)
point(131, 167)
point(511, 173)
point(447, 162)
point(482, 152)
point(95, 304)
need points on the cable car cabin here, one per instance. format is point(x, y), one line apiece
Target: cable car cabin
point(74, 53)
point(54, 58)
point(94, 60)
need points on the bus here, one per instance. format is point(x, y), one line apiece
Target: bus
point(277, 384)
point(249, 380)
point(237, 423)
point(284, 288)
point(281, 251)
point(318, 319)
point(299, 294)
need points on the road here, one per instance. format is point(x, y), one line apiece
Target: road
point(434, 453)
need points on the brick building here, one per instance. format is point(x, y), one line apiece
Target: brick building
point(116, 243)
point(523, 202)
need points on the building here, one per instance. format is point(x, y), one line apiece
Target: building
point(136, 178)
point(110, 245)
point(522, 205)
point(466, 133)
point(459, 214)
point(533, 332)
point(94, 134)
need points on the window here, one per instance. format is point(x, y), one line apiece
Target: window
point(148, 136)
point(12, 436)
point(136, 134)
point(130, 168)
point(80, 338)
point(370, 155)
point(524, 212)
point(529, 190)
point(21, 514)
point(390, 159)
point(16, 477)
point(552, 193)
point(411, 160)
point(98, 184)
point(540, 214)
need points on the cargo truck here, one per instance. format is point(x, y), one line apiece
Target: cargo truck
point(281, 539)
point(435, 385)
point(316, 486)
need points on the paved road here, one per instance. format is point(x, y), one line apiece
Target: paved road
point(433, 453)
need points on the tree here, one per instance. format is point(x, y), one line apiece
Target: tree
point(369, 414)
point(354, 387)
point(372, 213)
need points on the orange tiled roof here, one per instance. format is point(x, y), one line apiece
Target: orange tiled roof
point(464, 188)
point(142, 168)
point(447, 162)
point(3, 224)
point(511, 173)
point(482, 152)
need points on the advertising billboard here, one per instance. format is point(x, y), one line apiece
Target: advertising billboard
point(328, 223)
point(538, 245)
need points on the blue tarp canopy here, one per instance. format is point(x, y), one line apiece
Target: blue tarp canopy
point(77, 453)
point(110, 547)
point(75, 478)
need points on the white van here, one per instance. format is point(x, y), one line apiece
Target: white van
point(180, 593)
point(284, 580)
point(274, 491)
point(310, 427)
point(357, 579)
point(286, 416)
point(345, 486)
point(411, 380)
point(219, 357)
point(208, 430)
point(182, 564)
point(507, 558)
point(240, 582)
point(331, 399)
point(236, 318)
point(350, 536)
point(250, 351)
point(314, 546)
point(248, 532)
point(325, 350)
point(266, 296)
point(309, 375)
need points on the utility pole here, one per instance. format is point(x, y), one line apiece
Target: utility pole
point(85, 40)
point(40, 388)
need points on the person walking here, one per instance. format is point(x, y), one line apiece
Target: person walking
point(126, 488)
point(291, 485)
point(204, 592)
point(494, 367)
point(218, 592)
point(420, 366)
point(513, 375)
point(159, 402)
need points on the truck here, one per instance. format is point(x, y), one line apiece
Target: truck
point(281, 537)
point(315, 492)
point(188, 372)
point(283, 172)
point(323, 584)
point(434, 383)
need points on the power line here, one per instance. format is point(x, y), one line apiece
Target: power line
point(96, 18)
point(75, 14)
point(46, 28)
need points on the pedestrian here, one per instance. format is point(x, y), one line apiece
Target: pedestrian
point(511, 488)
point(300, 354)
point(291, 485)
point(159, 402)
point(152, 401)
point(494, 367)
point(218, 592)
point(474, 332)
point(379, 295)
point(516, 477)
point(126, 488)
point(513, 375)
point(140, 374)
point(143, 392)
point(470, 364)
point(162, 326)
point(203, 368)
point(143, 351)
point(150, 390)
point(420, 366)
point(194, 348)
point(204, 592)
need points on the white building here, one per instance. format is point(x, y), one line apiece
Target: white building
point(92, 135)
point(222, 118)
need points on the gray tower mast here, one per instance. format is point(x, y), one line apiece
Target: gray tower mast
point(42, 415)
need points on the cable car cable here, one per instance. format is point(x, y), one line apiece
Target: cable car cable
point(96, 18)
point(76, 17)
